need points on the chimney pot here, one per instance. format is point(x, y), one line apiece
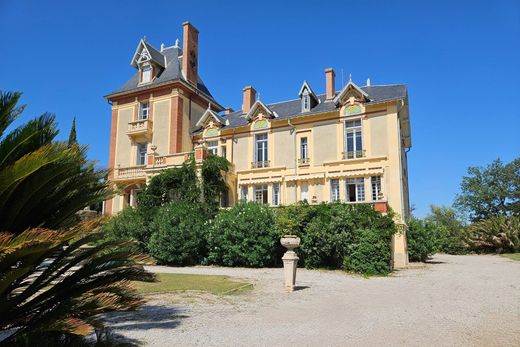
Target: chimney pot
point(249, 97)
point(329, 83)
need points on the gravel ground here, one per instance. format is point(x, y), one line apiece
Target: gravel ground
point(453, 301)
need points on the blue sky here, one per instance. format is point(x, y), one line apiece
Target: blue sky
point(460, 60)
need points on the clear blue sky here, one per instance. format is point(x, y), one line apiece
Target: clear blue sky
point(460, 60)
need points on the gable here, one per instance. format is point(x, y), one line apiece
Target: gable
point(351, 90)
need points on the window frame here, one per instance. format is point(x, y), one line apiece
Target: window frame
point(359, 189)
point(265, 150)
point(376, 187)
point(144, 111)
point(355, 130)
point(276, 194)
point(213, 148)
point(263, 189)
point(148, 69)
point(140, 154)
point(304, 148)
point(244, 192)
point(334, 194)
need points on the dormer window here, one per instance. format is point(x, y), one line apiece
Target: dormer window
point(306, 103)
point(308, 98)
point(146, 73)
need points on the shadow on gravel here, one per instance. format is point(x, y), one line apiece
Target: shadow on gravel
point(147, 317)
point(296, 288)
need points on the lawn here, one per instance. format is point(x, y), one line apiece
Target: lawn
point(513, 256)
point(171, 283)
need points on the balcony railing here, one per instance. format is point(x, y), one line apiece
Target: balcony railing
point(260, 164)
point(130, 172)
point(171, 159)
point(354, 154)
point(304, 161)
point(139, 127)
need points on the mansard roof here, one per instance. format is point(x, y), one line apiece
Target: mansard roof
point(171, 72)
point(292, 108)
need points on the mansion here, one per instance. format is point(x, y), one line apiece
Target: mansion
point(346, 145)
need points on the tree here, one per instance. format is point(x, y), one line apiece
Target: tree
point(450, 226)
point(491, 191)
point(72, 135)
point(54, 283)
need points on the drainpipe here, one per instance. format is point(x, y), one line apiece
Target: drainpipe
point(293, 129)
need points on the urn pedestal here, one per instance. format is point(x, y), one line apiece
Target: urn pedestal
point(290, 260)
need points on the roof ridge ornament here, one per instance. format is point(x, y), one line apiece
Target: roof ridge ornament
point(350, 77)
point(176, 43)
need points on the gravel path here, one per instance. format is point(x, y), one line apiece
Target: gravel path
point(454, 301)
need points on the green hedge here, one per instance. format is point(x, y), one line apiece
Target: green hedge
point(423, 239)
point(178, 234)
point(244, 235)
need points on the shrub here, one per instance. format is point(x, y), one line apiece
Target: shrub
point(177, 234)
point(450, 225)
point(423, 237)
point(244, 235)
point(371, 255)
point(336, 234)
point(496, 234)
point(132, 224)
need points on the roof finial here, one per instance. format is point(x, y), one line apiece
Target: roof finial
point(162, 47)
point(368, 82)
point(349, 77)
point(144, 38)
point(176, 43)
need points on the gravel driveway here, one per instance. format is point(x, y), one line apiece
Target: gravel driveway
point(453, 301)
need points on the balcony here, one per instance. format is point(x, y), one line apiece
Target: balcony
point(130, 173)
point(140, 128)
point(171, 160)
point(260, 164)
point(354, 154)
point(304, 161)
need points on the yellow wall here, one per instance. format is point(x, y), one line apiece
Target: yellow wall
point(161, 125)
point(123, 144)
point(325, 140)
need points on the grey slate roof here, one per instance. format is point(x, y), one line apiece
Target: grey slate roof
point(172, 72)
point(155, 54)
point(292, 108)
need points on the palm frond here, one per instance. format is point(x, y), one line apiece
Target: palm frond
point(8, 109)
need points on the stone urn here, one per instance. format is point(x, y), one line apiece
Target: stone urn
point(290, 260)
point(290, 242)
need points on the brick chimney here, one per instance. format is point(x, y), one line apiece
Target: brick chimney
point(190, 52)
point(329, 83)
point(249, 98)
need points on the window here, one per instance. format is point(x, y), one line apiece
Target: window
point(223, 151)
point(213, 147)
point(305, 191)
point(141, 154)
point(276, 194)
point(261, 150)
point(146, 73)
point(353, 140)
point(261, 194)
point(355, 189)
point(334, 190)
point(304, 149)
point(306, 103)
point(376, 187)
point(144, 110)
point(243, 193)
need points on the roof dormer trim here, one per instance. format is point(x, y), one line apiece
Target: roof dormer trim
point(150, 55)
point(210, 114)
point(350, 85)
point(252, 114)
